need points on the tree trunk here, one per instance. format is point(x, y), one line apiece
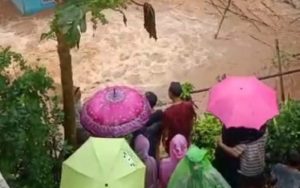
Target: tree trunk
point(65, 61)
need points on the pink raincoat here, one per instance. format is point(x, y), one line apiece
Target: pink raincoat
point(178, 149)
point(141, 147)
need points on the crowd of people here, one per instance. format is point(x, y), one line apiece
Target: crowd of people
point(239, 155)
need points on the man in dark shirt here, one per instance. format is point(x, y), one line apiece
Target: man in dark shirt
point(152, 129)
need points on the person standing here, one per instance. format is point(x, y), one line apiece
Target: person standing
point(178, 149)
point(178, 118)
point(152, 128)
point(251, 155)
point(141, 147)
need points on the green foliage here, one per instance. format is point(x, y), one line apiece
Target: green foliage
point(284, 132)
point(187, 89)
point(29, 137)
point(70, 18)
point(205, 133)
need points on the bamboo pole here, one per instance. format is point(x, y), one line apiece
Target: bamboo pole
point(260, 78)
point(282, 93)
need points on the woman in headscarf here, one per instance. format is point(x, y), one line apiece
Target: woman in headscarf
point(178, 118)
point(141, 147)
point(178, 149)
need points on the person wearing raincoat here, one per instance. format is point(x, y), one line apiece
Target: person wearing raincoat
point(178, 149)
point(142, 147)
point(195, 171)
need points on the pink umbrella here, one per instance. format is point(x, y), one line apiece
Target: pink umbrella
point(115, 111)
point(243, 102)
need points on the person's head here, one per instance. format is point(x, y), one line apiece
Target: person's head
point(178, 147)
point(152, 98)
point(175, 90)
point(293, 159)
point(142, 146)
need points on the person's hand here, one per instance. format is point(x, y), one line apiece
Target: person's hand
point(219, 141)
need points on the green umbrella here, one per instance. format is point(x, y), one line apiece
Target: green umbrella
point(195, 171)
point(103, 163)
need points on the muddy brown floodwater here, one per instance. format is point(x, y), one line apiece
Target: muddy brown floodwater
point(185, 50)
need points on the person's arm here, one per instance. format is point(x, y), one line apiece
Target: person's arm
point(165, 127)
point(155, 117)
point(236, 151)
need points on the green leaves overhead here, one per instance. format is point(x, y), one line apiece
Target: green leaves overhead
point(70, 18)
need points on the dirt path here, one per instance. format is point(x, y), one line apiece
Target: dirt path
point(185, 50)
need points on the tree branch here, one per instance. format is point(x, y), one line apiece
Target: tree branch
point(261, 41)
point(222, 19)
point(123, 14)
point(242, 16)
point(137, 3)
point(213, 4)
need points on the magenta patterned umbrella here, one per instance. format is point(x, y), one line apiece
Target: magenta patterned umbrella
point(115, 111)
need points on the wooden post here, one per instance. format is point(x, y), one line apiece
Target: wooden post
point(280, 70)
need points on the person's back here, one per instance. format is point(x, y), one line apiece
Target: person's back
point(141, 147)
point(178, 119)
point(288, 176)
point(152, 128)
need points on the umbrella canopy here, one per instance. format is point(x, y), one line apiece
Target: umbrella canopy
point(103, 163)
point(243, 102)
point(115, 111)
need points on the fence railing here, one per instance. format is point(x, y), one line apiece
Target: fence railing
point(260, 78)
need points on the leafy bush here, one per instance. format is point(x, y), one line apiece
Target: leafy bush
point(206, 130)
point(284, 132)
point(29, 137)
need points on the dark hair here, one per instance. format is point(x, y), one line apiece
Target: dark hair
point(175, 89)
point(234, 136)
point(152, 98)
point(293, 158)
